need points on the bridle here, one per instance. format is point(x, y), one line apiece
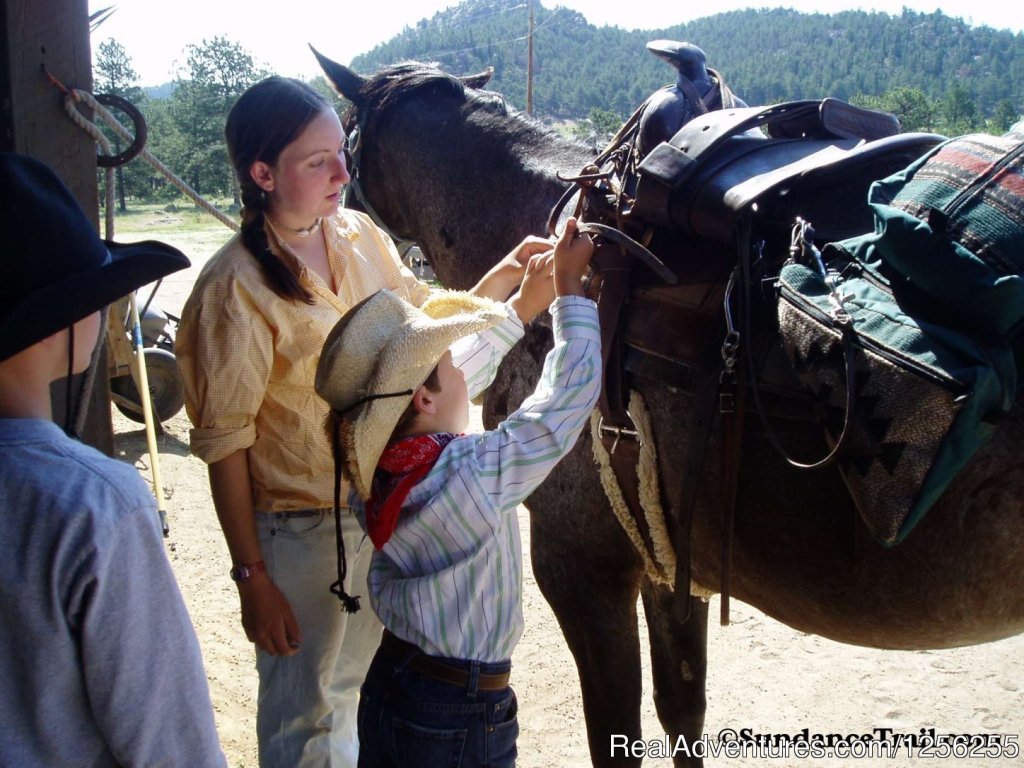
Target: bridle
point(354, 190)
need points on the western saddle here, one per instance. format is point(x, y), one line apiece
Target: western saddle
point(704, 191)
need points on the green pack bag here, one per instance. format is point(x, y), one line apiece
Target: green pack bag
point(926, 396)
point(953, 224)
point(923, 309)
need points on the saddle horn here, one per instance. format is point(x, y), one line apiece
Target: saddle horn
point(693, 93)
point(687, 59)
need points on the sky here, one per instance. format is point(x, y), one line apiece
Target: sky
point(343, 29)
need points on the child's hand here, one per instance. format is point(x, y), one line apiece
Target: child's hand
point(505, 276)
point(538, 288)
point(572, 258)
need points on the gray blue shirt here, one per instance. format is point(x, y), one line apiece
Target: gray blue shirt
point(100, 662)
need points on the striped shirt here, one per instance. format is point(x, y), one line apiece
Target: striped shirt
point(248, 357)
point(449, 579)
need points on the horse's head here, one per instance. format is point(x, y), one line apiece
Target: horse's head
point(365, 92)
point(429, 148)
point(385, 96)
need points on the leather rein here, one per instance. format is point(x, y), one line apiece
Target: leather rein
point(354, 189)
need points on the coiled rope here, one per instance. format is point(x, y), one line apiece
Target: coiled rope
point(108, 172)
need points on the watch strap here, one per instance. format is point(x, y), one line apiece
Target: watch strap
point(246, 571)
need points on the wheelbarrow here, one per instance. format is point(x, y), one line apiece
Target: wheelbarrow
point(165, 386)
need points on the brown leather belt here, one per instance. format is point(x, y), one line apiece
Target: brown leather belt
point(398, 649)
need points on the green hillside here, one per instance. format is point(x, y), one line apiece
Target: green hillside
point(764, 55)
point(933, 72)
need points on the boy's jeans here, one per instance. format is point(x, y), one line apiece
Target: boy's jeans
point(409, 720)
point(306, 712)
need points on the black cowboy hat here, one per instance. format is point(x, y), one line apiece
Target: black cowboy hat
point(54, 268)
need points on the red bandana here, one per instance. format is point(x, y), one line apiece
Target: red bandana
point(403, 464)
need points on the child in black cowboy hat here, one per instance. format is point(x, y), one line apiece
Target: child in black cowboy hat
point(101, 663)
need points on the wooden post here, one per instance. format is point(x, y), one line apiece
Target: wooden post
point(52, 36)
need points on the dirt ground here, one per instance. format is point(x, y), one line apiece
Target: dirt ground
point(762, 675)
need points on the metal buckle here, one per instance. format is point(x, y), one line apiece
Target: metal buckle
point(727, 397)
point(619, 432)
point(730, 350)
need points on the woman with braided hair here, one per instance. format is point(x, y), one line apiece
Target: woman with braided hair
point(248, 345)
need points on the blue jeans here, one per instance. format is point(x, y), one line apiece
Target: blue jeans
point(307, 703)
point(409, 720)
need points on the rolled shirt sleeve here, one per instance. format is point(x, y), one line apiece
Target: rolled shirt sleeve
point(248, 357)
point(225, 351)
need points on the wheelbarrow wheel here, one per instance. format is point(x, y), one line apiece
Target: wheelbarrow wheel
point(165, 388)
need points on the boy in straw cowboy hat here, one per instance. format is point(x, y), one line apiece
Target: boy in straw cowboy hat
point(440, 506)
point(101, 663)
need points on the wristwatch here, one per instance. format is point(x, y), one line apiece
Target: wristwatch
point(245, 572)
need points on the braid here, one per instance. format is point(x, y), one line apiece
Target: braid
point(266, 119)
point(281, 279)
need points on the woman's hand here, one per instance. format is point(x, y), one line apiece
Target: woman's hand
point(505, 276)
point(267, 617)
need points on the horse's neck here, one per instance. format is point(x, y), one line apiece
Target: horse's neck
point(519, 190)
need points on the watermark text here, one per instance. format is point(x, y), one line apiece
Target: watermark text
point(804, 744)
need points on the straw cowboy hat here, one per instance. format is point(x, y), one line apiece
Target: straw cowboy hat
point(376, 357)
point(54, 268)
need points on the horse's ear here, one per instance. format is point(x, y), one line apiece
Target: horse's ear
point(348, 83)
point(478, 80)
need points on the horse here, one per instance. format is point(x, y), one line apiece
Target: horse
point(440, 161)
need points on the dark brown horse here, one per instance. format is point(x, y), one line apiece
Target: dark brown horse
point(458, 171)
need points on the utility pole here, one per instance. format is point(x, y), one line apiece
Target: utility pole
point(529, 64)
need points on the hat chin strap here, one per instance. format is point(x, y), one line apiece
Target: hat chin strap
point(369, 398)
point(349, 603)
point(74, 414)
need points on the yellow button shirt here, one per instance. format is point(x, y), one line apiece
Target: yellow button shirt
point(248, 357)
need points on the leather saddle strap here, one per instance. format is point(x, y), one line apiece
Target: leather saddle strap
point(727, 97)
point(732, 444)
point(700, 105)
point(684, 499)
point(718, 96)
point(733, 412)
point(701, 136)
point(615, 264)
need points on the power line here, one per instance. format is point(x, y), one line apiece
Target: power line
point(441, 54)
